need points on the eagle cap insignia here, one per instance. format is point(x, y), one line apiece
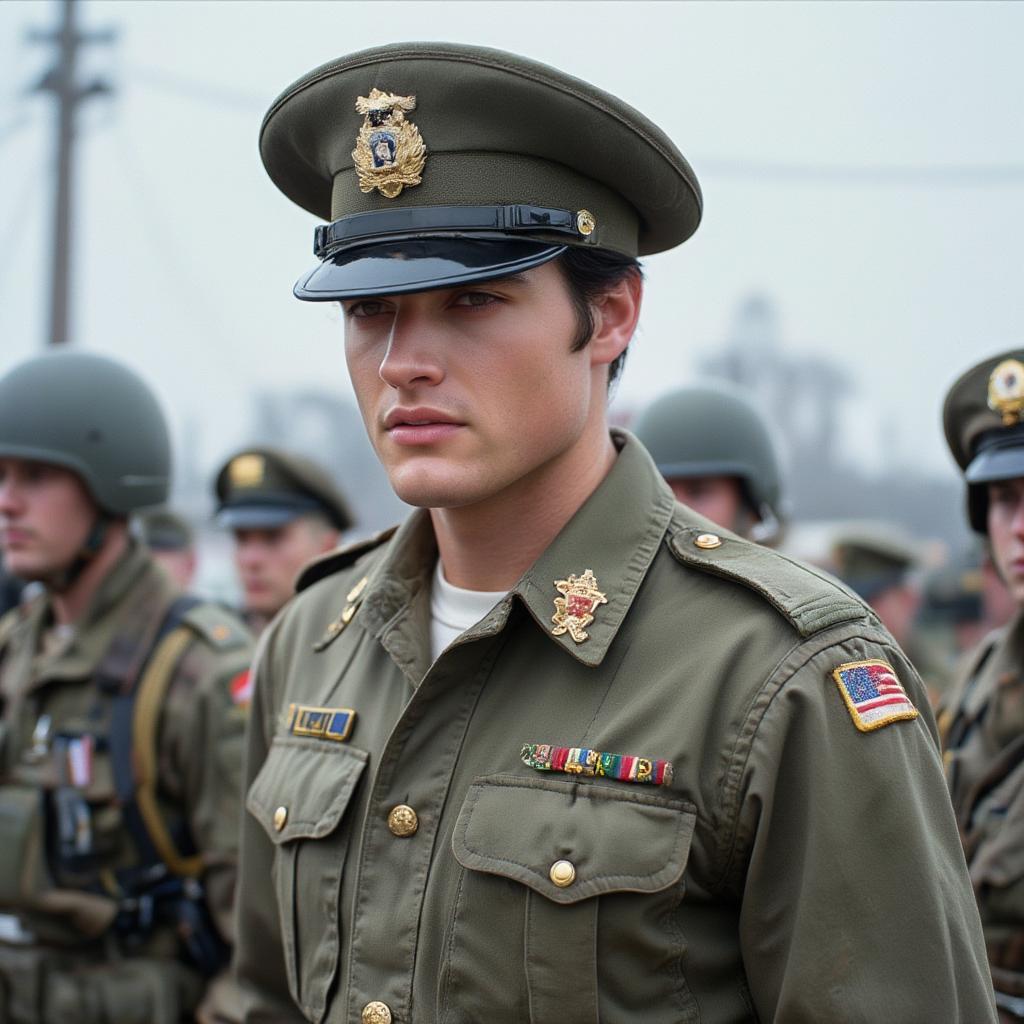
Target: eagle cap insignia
point(390, 153)
point(1006, 391)
point(574, 610)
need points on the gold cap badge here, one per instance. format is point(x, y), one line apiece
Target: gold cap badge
point(574, 611)
point(389, 153)
point(1006, 391)
point(247, 471)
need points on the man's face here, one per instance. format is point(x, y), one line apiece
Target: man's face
point(1006, 533)
point(45, 517)
point(718, 498)
point(268, 560)
point(467, 391)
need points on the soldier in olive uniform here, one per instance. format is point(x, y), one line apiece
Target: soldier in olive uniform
point(559, 749)
point(876, 561)
point(283, 510)
point(120, 737)
point(715, 450)
point(170, 540)
point(983, 723)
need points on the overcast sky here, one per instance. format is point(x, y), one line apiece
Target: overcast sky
point(862, 165)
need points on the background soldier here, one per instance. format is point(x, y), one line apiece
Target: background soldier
point(715, 450)
point(120, 742)
point(554, 751)
point(171, 541)
point(877, 562)
point(983, 725)
point(284, 510)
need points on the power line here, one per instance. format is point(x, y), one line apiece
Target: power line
point(191, 89)
point(9, 130)
point(907, 175)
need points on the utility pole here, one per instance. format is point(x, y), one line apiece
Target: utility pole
point(62, 81)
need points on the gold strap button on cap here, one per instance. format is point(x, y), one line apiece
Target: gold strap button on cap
point(708, 541)
point(562, 873)
point(280, 817)
point(376, 1013)
point(403, 821)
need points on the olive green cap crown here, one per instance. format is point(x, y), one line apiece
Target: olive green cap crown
point(982, 419)
point(91, 415)
point(161, 529)
point(870, 557)
point(713, 430)
point(263, 487)
point(476, 129)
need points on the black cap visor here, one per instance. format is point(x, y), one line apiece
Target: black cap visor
point(404, 265)
point(999, 457)
point(265, 515)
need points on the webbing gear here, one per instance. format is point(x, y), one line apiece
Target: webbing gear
point(135, 716)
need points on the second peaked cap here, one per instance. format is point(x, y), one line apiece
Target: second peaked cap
point(439, 163)
point(265, 487)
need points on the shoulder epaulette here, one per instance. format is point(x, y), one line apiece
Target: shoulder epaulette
point(216, 625)
point(342, 558)
point(808, 598)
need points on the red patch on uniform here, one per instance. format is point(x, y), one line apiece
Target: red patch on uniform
point(241, 687)
point(579, 606)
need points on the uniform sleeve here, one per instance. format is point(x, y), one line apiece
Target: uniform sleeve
point(856, 905)
point(259, 955)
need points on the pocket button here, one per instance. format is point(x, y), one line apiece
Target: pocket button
point(562, 873)
point(280, 817)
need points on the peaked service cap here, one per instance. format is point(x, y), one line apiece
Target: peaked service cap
point(983, 418)
point(264, 487)
point(439, 164)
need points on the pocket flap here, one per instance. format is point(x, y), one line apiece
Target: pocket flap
point(617, 840)
point(304, 786)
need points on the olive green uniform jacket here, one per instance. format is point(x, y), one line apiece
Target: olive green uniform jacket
point(796, 869)
point(73, 942)
point(983, 732)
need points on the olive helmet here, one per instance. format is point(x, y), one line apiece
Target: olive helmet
point(93, 416)
point(712, 429)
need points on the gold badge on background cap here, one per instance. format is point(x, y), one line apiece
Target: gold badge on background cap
point(247, 471)
point(390, 153)
point(574, 611)
point(1006, 391)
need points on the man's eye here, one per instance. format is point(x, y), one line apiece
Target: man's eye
point(366, 308)
point(475, 299)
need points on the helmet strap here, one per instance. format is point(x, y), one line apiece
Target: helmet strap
point(64, 579)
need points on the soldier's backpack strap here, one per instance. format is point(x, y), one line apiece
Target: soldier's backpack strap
point(342, 558)
point(133, 747)
point(809, 599)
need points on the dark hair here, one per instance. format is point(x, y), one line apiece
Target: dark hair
point(590, 273)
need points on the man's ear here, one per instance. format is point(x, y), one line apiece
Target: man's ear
point(616, 313)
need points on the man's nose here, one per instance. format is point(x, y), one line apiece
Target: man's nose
point(412, 356)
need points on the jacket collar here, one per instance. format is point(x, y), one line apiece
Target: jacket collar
point(615, 534)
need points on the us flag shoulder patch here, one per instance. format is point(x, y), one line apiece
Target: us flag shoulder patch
point(872, 693)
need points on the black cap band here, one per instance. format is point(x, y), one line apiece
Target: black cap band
point(431, 221)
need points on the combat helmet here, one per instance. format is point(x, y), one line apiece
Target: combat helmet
point(711, 429)
point(91, 415)
point(983, 418)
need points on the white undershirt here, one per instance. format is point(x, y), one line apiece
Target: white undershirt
point(453, 610)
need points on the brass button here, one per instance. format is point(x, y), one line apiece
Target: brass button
point(376, 1013)
point(708, 541)
point(585, 222)
point(562, 873)
point(403, 821)
point(280, 817)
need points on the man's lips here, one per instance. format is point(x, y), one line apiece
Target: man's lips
point(420, 425)
point(12, 537)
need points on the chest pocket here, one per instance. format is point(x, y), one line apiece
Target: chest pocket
point(591, 872)
point(299, 797)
